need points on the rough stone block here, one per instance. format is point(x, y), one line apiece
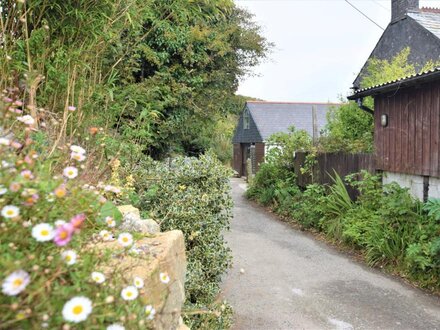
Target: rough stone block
point(165, 253)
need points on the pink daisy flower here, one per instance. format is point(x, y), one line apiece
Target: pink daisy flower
point(77, 221)
point(63, 234)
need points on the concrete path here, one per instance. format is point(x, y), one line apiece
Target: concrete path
point(292, 281)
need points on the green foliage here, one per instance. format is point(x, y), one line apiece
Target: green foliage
point(381, 71)
point(273, 184)
point(307, 208)
point(193, 195)
point(159, 74)
point(349, 129)
point(282, 146)
point(432, 206)
point(335, 205)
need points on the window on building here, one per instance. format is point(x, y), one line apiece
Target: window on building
point(246, 119)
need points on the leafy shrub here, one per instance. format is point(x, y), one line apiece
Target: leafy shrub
point(390, 236)
point(193, 195)
point(336, 204)
point(307, 206)
point(432, 206)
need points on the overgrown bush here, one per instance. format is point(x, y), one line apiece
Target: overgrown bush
point(193, 195)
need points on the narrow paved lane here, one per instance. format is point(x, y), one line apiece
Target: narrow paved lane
point(292, 281)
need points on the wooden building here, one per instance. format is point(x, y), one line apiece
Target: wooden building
point(259, 120)
point(407, 131)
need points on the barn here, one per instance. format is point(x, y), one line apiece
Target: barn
point(407, 131)
point(259, 120)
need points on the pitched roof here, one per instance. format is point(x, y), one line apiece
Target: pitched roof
point(393, 85)
point(419, 30)
point(274, 117)
point(430, 20)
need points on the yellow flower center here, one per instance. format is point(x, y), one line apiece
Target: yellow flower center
point(60, 193)
point(44, 232)
point(10, 212)
point(129, 294)
point(77, 309)
point(125, 239)
point(18, 282)
point(70, 172)
point(97, 278)
point(63, 235)
point(147, 312)
point(68, 258)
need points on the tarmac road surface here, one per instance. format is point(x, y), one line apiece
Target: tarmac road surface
point(292, 281)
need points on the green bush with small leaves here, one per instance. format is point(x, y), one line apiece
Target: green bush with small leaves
point(193, 195)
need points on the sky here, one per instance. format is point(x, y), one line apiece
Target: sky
point(320, 46)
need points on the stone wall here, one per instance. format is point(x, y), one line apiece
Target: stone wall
point(155, 253)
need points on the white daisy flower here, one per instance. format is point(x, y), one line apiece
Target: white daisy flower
point(105, 235)
point(3, 190)
point(115, 326)
point(10, 211)
point(110, 222)
point(43, 232)
point(15, 283)
point(27, 119)
point(69, 256)
point(149, 312)
point(70, 172)
point(77, 156)
point(77, 309)
point(138, 282)
point(4, 141)
point(77, 149)
point(125, 239)
point(129, 293)
point(98, 277)
point(60, 222)
point(164, 278)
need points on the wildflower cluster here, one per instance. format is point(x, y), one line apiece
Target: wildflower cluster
point(49, 276)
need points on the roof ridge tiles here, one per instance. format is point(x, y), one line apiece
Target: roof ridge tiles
point(275, 102)
point(430, 10)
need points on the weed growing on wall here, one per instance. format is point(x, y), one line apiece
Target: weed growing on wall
point(51, 274)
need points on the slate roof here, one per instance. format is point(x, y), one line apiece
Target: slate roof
point(419, 30)
point(393, 85)
point(429, 20)
point(268, 118)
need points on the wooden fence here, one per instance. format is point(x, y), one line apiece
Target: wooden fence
point(327, 163)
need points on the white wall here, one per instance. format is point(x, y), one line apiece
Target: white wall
point(413, 182)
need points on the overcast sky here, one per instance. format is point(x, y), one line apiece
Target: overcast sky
point(320, 46)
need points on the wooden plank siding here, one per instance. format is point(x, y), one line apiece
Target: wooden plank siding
point(327, 163)
point(410, 142)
